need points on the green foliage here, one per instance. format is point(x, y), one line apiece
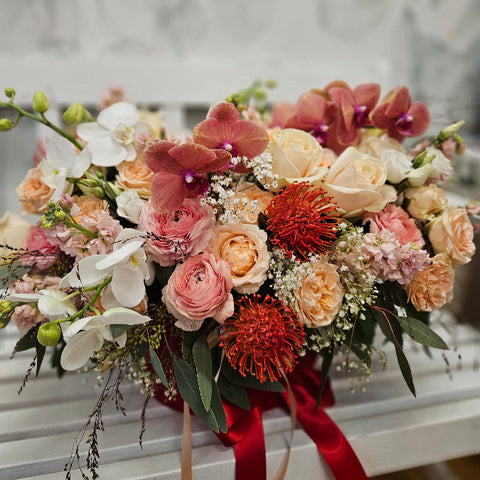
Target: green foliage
point(157, 366)
point(249, 381)
point(233, 393)
point(203, 363)
point(421, 333)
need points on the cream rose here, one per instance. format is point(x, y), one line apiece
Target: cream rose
point(136, 175)
point(248, 201)
point(296, 156)
point(432, 287)
point(14, 231)
point(245, 248)
point(320, 296)
point(357, 183)
point(374, 145)
point(452, 234)
point(34, 194)
point(425, 202)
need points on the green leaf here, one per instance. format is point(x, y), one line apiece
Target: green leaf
point(203, 363)
point(326, 364)
point(387, 327)
point(28, 341)
point(118, 330)
point(218, 410)
point(157, 366)
point(40, 354)
point(421, 333)
point(189, 339)
point(249, 381)
point(12, 271)
point(188, 388)
point(233, 393)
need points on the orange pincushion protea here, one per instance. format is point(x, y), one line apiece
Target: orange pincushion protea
point(302, 220)
point(263, 337)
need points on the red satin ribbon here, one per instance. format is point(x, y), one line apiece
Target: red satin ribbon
point(245, 427)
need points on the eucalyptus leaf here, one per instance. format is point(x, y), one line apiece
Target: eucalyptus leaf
point(388, 329)
point(326, 364)
point(40, 355)
point(189, 339)
point(118, 330)
point(218, 410)
point(188, 388)
point(203, 363)
point(421, 333)
point(12, 271)
point(157, 366)
point(233, 393)
point(28, 341)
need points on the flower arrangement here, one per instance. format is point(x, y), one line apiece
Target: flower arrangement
point(212, 268)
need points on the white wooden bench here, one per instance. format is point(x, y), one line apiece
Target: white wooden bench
point(388, 428)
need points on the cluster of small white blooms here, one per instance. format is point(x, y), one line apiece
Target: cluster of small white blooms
point(263, 171)
point(287, 274)
point(219, 197)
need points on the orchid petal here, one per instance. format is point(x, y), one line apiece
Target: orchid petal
point(120, 113)
point(310, 109)
point(281, 112)
point(121, 340)
point(167, 192)
point(225, 112)
point(131, 153)
point(158, 158)
point(400, 102)
point(92, 131)
point(211, 133)
point(53, 305)
point(192, 156)
point(380, 118)
point(80, 348)
point(421, 118)
point(220, 164)
point(59, 152)
point(61, 179)
point(106, 152)
point(123, 316)
point(249, 139)
point(81, 164)
point(119, 255)
point(126, 235)
point(84, 274)
point(107, 298)
point(79, 325)
point(128, 285)
point(367, 94)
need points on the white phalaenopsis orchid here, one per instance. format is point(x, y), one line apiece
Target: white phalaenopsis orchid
point(85, 336)
point(53, 304)
point(61, 161)
point(127, 265)
point(111, 138)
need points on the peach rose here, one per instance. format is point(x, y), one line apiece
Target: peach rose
point(35, 194)
point(135, 175)
point(245, 248)
point(452, 234)
point(320, 296)
point(199, 288)
point(14, 231)
point(432, 287)
point(374, 145)
point(88, 206)
point(296, 156)
point(252, 200)
point(425, 202)
point(357, 183)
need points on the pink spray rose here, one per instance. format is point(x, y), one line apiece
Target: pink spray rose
point(44, 254)
point(197, 289)
point(179, 233)
point(397, 220)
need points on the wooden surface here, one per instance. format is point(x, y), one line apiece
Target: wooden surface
point(388, 428)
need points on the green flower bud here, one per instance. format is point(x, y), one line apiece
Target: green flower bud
point(40, 102)
point(260, 94)
point(74, 114)
point(450, 131)
point(48, 334)
point(60, 214)
point(5, 125)
point(10, 93)
point(271, 83)
point(98, 192)
point(5, 306)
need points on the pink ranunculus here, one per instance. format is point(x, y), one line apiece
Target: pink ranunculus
point(175, 235)
point(198, 289)
point(396, 220)
point(43, 254)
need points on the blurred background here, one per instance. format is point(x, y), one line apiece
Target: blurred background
point(183, 55)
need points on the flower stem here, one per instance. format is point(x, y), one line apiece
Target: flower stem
point(73, 224)
point(40, 119)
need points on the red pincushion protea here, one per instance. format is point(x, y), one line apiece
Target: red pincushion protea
point(262, 338)
point(302, 220)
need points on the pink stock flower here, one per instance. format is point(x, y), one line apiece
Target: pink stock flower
point(355, 107)
point(25, 317)
point(43, 253)
point(180, 171)
point(225, 129)
point(175, 235)
point(396, 220)
point(399, 116)
point(199, 288)
point(315, 115)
